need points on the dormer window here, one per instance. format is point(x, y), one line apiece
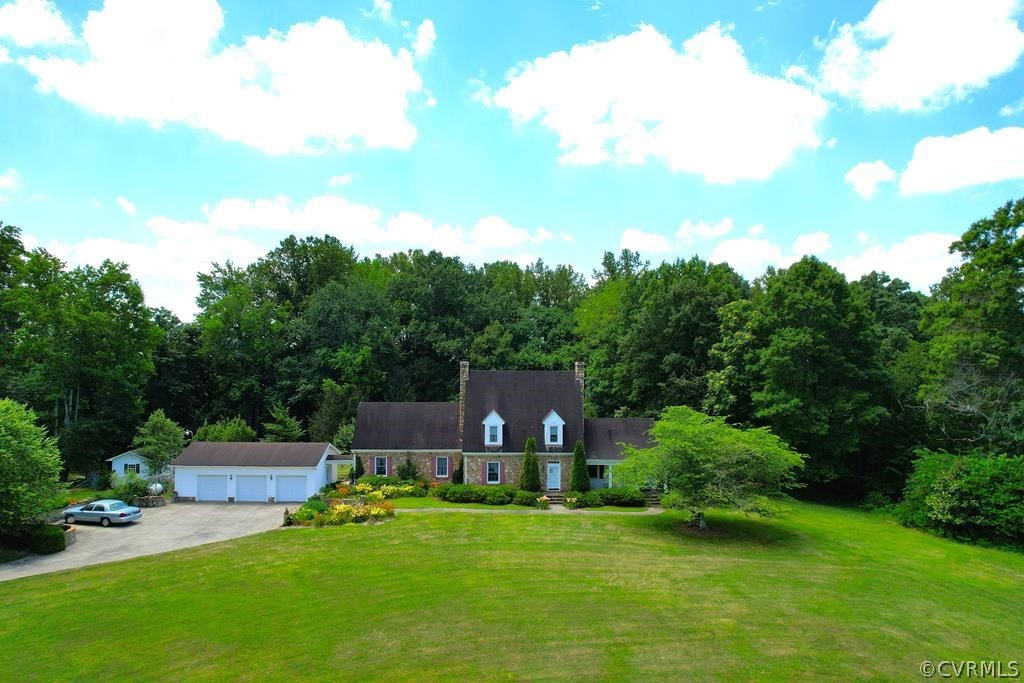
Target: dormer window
point(554, 427)
point(493, 424)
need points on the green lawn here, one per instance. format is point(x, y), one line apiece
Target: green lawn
point(825, 593)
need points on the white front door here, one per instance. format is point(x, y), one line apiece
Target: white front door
point(554, 476)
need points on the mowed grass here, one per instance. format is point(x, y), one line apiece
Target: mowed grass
point(825, 593)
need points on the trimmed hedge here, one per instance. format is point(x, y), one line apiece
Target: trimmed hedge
point(46, 539)
point(470, 493)
point(622, 497)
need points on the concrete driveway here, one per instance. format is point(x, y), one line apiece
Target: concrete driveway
point(179, 525)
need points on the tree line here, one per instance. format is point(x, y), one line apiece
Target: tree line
point(857, 375)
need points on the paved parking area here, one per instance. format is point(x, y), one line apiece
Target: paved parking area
point(179, 525)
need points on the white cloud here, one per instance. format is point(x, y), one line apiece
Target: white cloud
point(1013, 108)
point(749, 256)
point(425, 37)
point(28, 23)
point(979, 156)
point(701, 110)
point(689, 229)
point(10, 179)
point(863, 237)
point(5, 56)
point(648, 242)
point(832, 142)
point(755, 230)
point(812, 244)
point(309, 89)
point(127, 206)
point(921, 260)
point(866, 176)
point(382, 10)
point(343, 179)
point(921, 54)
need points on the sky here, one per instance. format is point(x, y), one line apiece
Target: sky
point(172, 134)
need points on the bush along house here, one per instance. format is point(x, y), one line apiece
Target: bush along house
point(486, 431)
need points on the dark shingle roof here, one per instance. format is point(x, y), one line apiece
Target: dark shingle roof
point(406, 426)
point(523, 399)
point(603, 435)
point(251, 454)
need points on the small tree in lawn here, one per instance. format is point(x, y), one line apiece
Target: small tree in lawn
point(159, 440)
point(708, 463)
point(283, 427)
point(29, 467)
point(579, 479)
point(529, 478)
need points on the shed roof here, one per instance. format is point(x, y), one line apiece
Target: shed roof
point(523, 398)
point(252, 454)
point(406, 426)
point(604, 434)
point(135, 453)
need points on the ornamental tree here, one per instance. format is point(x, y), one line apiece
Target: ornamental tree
point(579, 479)
point(708, 463)
point(29, 467)
point(159, 440)
point(529, 477)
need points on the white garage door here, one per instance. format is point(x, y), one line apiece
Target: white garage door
point(291, 489)
point(212, 487)
point(251, 488)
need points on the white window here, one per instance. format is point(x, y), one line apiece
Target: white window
point(380, 466)
point(553, 429)
point(494, 473)
point(493, 424)
point(441, 467)
point(132, 467)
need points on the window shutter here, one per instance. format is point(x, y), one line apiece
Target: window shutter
point(436, 460)
point(501, 472)
point(388, 468)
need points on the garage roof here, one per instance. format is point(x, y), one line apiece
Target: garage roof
point(252, 454)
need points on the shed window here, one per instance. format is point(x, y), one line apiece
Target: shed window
point(493, 473)
point(132, 467)
point(380, 466)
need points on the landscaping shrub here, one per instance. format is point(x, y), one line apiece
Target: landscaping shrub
point(529, 476)
point(966, 496)
point(577, 499)
point(408, 471)
point(579, 478)
point(621, 496)
point(336, 515)
point(359, 470)
point(130, 487)
point(376, 481)
point(542, 503)
point(672, 501)
point(525, 498)
point(315, 504)
point(469, 493)
point(46, 539)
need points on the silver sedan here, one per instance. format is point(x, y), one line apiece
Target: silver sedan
point(106, 512)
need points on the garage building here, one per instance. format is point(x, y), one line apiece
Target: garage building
point(254, 472)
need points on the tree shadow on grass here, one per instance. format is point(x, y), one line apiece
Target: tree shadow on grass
point(727, 529)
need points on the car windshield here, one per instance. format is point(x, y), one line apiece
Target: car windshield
point(117, 506)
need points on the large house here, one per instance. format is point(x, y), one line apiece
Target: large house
point(486, 431)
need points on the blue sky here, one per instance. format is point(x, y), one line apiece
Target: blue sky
point(172, 134)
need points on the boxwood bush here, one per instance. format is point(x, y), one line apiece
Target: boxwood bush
point(469, 493)
point(46, 539)
point(622, 496)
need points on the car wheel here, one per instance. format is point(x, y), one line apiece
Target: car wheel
point(69, 519)
point(105, 522)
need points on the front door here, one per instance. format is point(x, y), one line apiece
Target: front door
point(554, 476)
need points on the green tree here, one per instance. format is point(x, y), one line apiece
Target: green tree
point(159, 440)
point(226, 429)
point(29, 467)
point(407, 470)
point(343, 437)
point(359, 469)
point(529, 477)
point(282, 426)
point(579, 478)
point(708, 463)
point(974, 379)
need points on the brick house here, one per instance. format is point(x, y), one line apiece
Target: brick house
point(486, 431)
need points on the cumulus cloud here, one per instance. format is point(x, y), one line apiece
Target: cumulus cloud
point(866, 176)
point(913, 55)
point(812, 244)
point(942, 164)
point(127, 206)
point(10, 179)
point(5, 56)
point(425, 37)
point(381, 10)
point(690, 229)
point(755, 230)
point(701, 109)
point(749, 256)
point(921, 260)
point(28, 23)
point(647, 242)
point(311, 88)
point(1011, 109)
point(343, 179)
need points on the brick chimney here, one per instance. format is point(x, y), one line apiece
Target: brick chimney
point(581, 371)
point(463, 378)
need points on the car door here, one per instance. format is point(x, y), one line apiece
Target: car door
point(98, 510)
point(85, 514)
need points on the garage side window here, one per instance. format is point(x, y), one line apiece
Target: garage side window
point(441, 467)
point(380, 466)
